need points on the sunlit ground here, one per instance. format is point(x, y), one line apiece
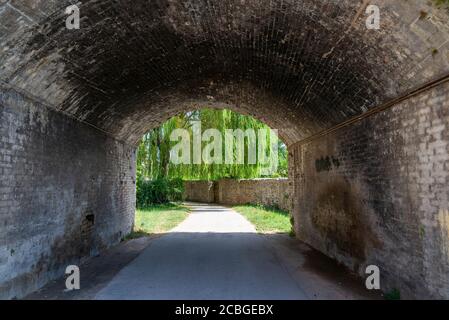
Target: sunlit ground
point(266, 220)
point(158, 219)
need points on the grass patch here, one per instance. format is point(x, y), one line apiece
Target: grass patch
point(157, 219)
point(266, 220)
point(393, 295)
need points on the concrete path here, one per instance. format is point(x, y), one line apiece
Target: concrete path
point(217, 254)
point(214, 254)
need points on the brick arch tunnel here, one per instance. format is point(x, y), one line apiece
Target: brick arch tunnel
point(364, 113)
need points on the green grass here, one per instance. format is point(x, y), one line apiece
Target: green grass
point(157, 219)
point(394, 294)
point(266, 220)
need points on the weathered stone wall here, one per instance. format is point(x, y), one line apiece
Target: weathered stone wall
point(199, 191)
point(67, 191)
point(268, 192)
point(300, 66)
point(376, 192)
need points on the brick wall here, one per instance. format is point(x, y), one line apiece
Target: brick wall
point(269, 192)
point(262, 58)
point(275, 59)
point(66, 192)
point(199, 191)
point(377, 192)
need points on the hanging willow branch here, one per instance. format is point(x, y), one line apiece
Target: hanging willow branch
point(153, 156)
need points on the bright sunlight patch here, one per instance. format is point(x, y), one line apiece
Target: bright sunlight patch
point(158, 219)
point(266, 220)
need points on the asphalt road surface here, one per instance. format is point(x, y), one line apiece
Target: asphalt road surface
point(217, 254)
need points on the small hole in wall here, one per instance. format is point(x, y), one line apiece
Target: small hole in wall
point(87, 226)
point(90, 218)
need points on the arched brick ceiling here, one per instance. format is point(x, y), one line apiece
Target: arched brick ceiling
point(301, 66)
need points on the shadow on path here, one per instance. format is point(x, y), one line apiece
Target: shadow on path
point(214, 254)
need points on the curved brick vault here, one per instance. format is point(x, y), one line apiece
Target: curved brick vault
point(301, 66)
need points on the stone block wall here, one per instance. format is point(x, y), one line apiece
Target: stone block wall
point(268, 192)
point(373, 192)
point(199, 191)
point(377, 192)
point(67, 191)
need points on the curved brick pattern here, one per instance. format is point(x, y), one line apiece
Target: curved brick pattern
point(74, 103)
point(133, 61)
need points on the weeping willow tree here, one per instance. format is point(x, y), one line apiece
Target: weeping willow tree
point(153, 157)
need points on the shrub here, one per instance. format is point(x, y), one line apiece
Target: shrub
point(161, 190)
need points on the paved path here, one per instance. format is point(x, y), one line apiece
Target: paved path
point(217, 254)
point(214, 254)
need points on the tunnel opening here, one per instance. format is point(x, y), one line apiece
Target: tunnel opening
point(228, 144)
point(213, 156)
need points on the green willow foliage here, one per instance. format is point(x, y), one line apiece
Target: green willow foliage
point(153, 158)
point(441, 2)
